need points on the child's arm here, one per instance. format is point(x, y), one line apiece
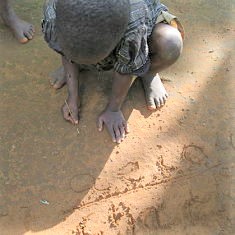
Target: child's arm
point(112, 116)
point(71, 107)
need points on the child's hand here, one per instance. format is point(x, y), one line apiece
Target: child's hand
point(116, 124)
point(70, 111)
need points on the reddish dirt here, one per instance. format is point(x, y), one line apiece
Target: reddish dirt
point(174, 173)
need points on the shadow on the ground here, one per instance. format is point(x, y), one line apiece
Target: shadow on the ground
point(48, 165)
point(43, 159)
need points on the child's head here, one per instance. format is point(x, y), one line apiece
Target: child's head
point(88, 30)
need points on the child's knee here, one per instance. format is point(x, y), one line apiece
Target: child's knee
point(166, 43)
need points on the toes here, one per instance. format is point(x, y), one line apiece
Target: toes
point(157, 103)
point(151, 104)
point(19, 33)
point(25, 37)
point(165, 98)
point(58, 74)
point(52, 80)
point(32, 28)
point(162, 101)
point(57, 84)
point(31, 32)
point(28, 32)
point(28, 35)
point(23, 40)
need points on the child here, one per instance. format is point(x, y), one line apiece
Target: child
point(130, 36)
point(22, 30)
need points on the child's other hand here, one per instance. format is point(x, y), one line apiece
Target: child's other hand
point(115, 123)
point(70, 111)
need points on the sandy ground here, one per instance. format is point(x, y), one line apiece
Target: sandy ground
point(174, 174)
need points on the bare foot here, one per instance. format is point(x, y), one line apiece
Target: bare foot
point(58, 78)
point(22, 30)
point(155, 92)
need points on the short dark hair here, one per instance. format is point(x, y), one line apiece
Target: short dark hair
point(89, 28)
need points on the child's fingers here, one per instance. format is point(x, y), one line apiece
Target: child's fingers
point(122, 131)
point(74, 119)
point(67, 117)
point(71, 120)
point(117, 134)
point(126, 127)
point(100, 124)
point(112, 133)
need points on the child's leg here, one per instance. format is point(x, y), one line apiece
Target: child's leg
point(70, 109)
point(22, 30)
point(165, 48)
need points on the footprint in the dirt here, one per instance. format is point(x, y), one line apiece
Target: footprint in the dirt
point(195, 155)
point(82, 182)
point(131, 171)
